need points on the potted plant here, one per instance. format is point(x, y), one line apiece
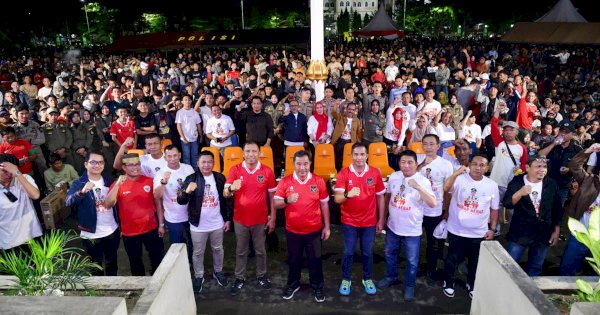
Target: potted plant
point(50, 267)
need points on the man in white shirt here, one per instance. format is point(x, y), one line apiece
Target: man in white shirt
point(189, 126)
point(167, 183)
point(151, 162)
point(219, 129)
point(391, 71)
point(474, 203)
point(431, 107)
point(436, 170)
point(408, 193)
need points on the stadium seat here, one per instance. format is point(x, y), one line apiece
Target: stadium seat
point(217, 155)
point(231, 157)
point(266, 157)
point(417, 147)
point(137, 151)
point(347, 160)
point(451, 151)
point(164, 143)
point(324, 161)
point(378, 158)
point(289, 158)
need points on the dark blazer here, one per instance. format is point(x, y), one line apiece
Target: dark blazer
point(525, 227)
point(195, 198)
point(86, 204)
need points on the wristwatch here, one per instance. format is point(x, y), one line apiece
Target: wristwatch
point(346, 195)
point(17, 173)
point(163, 182)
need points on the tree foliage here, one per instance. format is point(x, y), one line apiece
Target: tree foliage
point(356, 21)
point(102, 21)
point(429, 20)
point(343, 22)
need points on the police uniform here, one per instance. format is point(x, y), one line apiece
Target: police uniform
point(82, 138)
point(58, 136)
point(374, 124)
point(103, 124)
point(33, 133)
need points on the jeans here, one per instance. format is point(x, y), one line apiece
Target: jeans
point(444, 145)
point(101, 248)
point(535, 258)
point(501, 193)
point(367, 236)
point(180, 233)
point(441, 88)
point(189, 154)
point(458, 248)
point(563, 193)
point(297, 244)
point(133, 247)
point(573, 257)
point(411, 246)
point(435, 247)
point(216, 244)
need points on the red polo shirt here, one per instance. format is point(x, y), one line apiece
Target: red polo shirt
point(136, 206)
point(360, 211)
point(250, 202)
point(123, 131)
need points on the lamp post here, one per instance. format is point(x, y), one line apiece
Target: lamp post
point(86, 17)
point(243, 27)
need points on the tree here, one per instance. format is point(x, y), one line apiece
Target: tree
point(343, 22)
point(367, 19)
point(102, 21)
point(255, 18)
point(154, 22)
point(356, 21)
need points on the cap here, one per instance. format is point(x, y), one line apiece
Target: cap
point(62, 105)
point(52, 110)
point(484, 76)
point(4, 111)
point(442, 60)
point(238, 88)
point(509, 123)
point(567, 126)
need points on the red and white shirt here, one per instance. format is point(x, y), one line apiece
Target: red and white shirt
point(136, 206)
point(303, 216)
point(250, 202)
point(123, 130)
point(406, 206)
point(360, 211)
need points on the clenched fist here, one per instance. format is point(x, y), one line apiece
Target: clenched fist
point(88, 186)
point(354, 192)
point(191, 187)
point(237, 184)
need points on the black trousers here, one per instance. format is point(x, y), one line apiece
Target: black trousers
point(297, 244)
point(133, 247)
point(459, 247)
point(103, 248)
point(435, 247)
point(339, 153)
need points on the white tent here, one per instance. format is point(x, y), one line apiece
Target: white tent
point(563, 11)
point(381, 25)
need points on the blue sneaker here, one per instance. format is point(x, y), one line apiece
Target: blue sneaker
point(369, 287)
point(345, 287)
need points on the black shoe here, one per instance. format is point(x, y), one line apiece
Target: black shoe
point(221, 279)
point(289, 291)
point(264, 283)
point(197, 284)
point(319, 295)
point(237, 287)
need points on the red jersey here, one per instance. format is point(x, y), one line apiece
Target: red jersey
point(303, 216)
point(135, 200)
point(525, 114)
point(360, 211)
point(250, 202)
point(20, 149)
point(123, 131)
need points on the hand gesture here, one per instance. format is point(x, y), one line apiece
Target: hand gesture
point(354, 192)
point(525, 190)
point(9, 167)
point(128, 142)
point(461, 170)
point(121, 179)
point(191, 187)
point(470, 112)
point(161, 231)
point(88, 186)
point(593, 148)
point(325, 233)
point(413, 183)
point(166, 176)
point(292, 198)
point(237, 184)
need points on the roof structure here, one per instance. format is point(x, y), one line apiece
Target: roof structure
point(563, 11)
point(381, 26)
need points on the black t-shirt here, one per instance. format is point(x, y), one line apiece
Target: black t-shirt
point(140, 122)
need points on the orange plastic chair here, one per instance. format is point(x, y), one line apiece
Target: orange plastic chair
point(347, 160)
point(266, 157)
point(289, 158)
point(451, 151)
point(138, 151)
point(164, 143)
point(417, 147)
point(231, 157)
point(217, 155)
point(325, 161)
point(378, 158)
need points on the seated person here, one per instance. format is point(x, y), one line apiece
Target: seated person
point(58, 172)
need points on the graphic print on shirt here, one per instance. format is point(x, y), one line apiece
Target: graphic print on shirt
point(536, 199)
point(399, 199)
point(220, 130)
point(209, 200)
point(100, 197)
point(430, 178)
point(347, 130)
point(471, 203)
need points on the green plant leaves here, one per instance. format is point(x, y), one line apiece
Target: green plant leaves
point(590, 237)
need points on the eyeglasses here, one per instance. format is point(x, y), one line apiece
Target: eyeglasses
point(132, 164)
point(95, 163)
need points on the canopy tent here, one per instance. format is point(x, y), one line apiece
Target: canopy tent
point(381, 26)
point(561, 25)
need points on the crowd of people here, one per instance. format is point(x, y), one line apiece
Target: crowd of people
point(478, 134)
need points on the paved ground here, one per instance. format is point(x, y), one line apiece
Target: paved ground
point(428, 300)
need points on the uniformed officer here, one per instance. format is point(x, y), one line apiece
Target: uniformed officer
point(109, 147)
point(374, 123)
point(58, 136)
point(82, 141)
point(31, 131)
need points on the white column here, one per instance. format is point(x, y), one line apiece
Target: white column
point(317, 42)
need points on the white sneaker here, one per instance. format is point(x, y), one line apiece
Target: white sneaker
point(448, 290)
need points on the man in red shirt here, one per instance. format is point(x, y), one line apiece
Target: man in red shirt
point(526, 108)
point(134, 196)
point(304, 218)
point(20, 148)
point(249, 183)
point(123, 128)
point(360, 191)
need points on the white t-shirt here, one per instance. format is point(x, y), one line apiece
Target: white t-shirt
point(44, 91)
point(446, 133)
point(471, 133)
point(593, 160)
point(436, 173)
point(431, 109)
point(189, 119)
point(585, 219)
point(210, 216)
point(536, 193)
point(220, 127)
point(105, 219)
point(487, 130)
point(504, 168)
point(470, 206)
point(151, 165)
point(406, 207)
point(18, 221)
point(347, 133)
point(391, 132)
point(174, 212)
point(206, 114)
